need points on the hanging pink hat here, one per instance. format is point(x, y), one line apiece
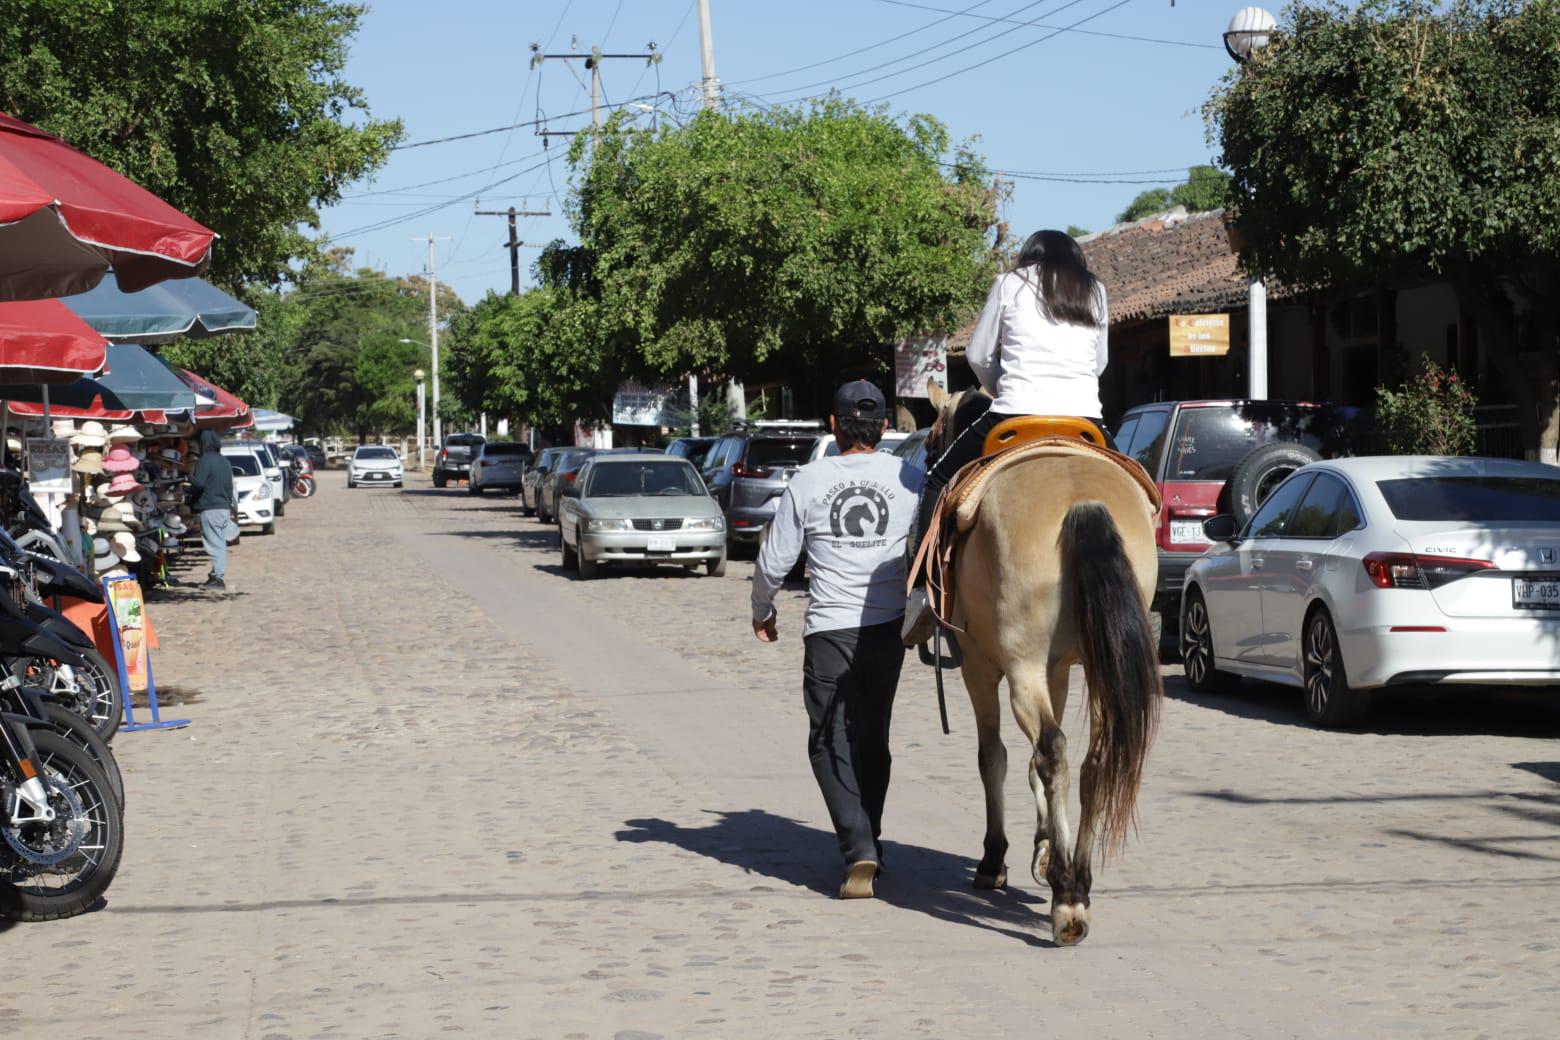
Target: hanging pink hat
point(122, 484)
point(119, 460)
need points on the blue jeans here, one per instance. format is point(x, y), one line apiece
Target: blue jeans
point(213, 534)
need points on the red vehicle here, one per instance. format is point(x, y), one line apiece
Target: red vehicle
point(1211, 457)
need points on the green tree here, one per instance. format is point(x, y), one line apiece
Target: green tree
point(236, 113)
point(1203, 190)
point(770, 243)
point(1405, 139)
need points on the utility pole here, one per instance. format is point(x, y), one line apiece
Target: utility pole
point(514, 242)
point(592, 62)
point(433, 332)
point(707, 56)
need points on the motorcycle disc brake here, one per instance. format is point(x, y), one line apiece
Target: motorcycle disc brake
point(47, 844)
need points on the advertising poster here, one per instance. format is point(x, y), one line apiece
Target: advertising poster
point(918, 360)
point(124, 599)
point(48, 464)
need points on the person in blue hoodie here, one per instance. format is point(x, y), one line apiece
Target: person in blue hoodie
point(211, 489)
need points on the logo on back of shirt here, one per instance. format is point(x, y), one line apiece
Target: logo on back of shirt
point(858, 511)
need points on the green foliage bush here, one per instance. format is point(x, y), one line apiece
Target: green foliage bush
point(1431, 415)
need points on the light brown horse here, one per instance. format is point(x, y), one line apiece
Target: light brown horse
point(1058, 569)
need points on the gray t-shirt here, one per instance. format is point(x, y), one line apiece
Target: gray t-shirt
point(851, 513)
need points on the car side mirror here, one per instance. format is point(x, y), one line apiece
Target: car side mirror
point(1221, 528)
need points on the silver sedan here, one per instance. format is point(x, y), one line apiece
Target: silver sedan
point(640, 509)
point(1361, 574)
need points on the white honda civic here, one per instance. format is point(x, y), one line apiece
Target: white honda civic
point(1358, 574)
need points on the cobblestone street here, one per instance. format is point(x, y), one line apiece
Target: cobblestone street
point(436, 785)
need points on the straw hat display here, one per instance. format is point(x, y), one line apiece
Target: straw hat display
point(89, 460)
point(91, 435)
point(123, 435)
point(119, 460)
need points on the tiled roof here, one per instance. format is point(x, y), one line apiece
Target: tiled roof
point(1170, 263)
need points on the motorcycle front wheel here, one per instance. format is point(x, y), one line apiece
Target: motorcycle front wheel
point(303, 487)
point(54, 870)
point(79, 732)
point(93, 693)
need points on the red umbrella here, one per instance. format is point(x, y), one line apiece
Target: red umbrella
point(95, 411)
point(65, 218)
point(42, 341)
point(228, 413)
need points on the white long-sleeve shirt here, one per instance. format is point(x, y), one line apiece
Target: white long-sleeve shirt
point(851, 515)
point(1031, 364)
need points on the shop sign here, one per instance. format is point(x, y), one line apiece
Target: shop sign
point(124, 599)
point(917, 360)
point(1199, 335)
point(48, 464)
point(638, 406)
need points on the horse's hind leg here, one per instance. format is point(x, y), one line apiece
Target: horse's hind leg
point(981, 679)
point(1035, 712)
point(1067, 875)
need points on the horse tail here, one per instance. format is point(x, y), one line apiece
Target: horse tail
point(1120, 663)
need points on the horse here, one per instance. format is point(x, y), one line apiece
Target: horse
point(1058, 569)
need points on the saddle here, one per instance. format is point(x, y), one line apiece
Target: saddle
point(1012, 443)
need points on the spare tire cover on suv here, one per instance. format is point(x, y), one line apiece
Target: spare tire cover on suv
point(1262, 470)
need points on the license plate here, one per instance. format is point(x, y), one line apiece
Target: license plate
point(1536, 595)
point(662, 543)
point(376, 476)
point(1187, 532)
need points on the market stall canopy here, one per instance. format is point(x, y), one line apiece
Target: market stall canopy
point(162, 313)
point(228, 413)
point(41, 341)
point(93, 409)
point(134, 381)
point(267, 421)
point(65, 218)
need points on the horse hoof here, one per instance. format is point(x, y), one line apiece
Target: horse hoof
point(997, 880)
point(1069, 923)
point(1041, 861)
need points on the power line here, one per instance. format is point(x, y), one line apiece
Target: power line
point(916, 54)
point(868, 47)
point(1008, 53)
point(1080, 32)
point(513, 126)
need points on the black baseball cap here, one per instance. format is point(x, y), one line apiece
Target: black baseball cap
point(860, 400)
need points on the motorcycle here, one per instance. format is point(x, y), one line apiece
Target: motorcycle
point(304, 483)
point(61, 825)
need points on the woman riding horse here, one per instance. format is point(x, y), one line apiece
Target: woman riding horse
point(1039, 348)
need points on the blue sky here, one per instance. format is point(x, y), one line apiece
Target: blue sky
point(1064, 105)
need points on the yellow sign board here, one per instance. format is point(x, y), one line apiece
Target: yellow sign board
point(1199, 335)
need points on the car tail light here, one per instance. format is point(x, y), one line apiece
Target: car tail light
point(1414, 571)
point(750, 472)
point(568, 476)
point(443, 454)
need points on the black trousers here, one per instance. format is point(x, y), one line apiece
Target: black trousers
point(848, 681)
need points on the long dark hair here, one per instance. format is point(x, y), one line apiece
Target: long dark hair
point(1067, 292)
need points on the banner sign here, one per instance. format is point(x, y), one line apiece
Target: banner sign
point(1199, 335)
point(917, 360)
point(635, 405)
point(124, 599)
point(48, 464)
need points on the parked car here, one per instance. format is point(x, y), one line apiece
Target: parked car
point(748, 470)
point(252, 490)
point(375, 464)
point(1359, 574)
point(564, 471)
point(827, 446)
point(453, 462)
point(1209, 457)
point(498, 464)
point(269, 465)
point(913, 448)
point(636, 508)
point(535, 473)
point(316, 454)
point(694, 449)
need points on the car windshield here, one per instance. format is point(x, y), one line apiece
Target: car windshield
point(376, 453)
point(622, 480)
point(244, 465)
point(776, 451)
point(491, 450)
point(694, 451)
point(1210, 442)
point(1513, 500)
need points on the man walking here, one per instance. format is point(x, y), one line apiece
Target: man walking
point(851, 514)
point(212, 486)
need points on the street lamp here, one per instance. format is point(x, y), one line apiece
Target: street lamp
point(421, 416)
point(1250, 30)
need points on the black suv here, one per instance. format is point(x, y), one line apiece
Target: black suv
point(747, 471)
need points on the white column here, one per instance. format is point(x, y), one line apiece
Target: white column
point(1257, 337)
